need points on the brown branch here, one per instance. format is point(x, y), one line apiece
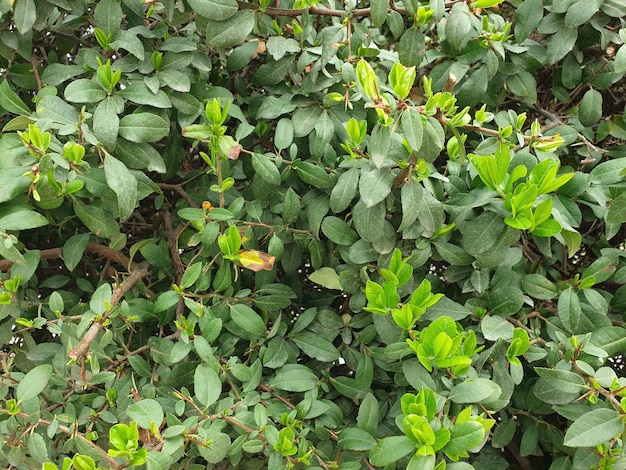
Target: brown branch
point(180, 190)
point(92, 248)
point(82, 348)
point(290, 12)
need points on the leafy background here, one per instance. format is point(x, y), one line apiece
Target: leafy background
point(312, 235)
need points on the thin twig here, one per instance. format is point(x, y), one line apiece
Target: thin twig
point(82, 348)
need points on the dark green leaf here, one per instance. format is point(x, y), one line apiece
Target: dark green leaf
point(593, 428)
point(123, 183)
point(207, 385)
point(10, 101)
point(218, 10)
point(143, 127)
point(230, 32)
point(411, 48)
point(390, 450)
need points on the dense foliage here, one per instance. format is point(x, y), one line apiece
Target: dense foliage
point(332, 235)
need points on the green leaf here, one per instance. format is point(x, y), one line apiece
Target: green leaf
point(355, 439)
point(609, 172)
point(338, 231)
point(294, 378)
point(369, 413)
point(145, 412)
point(344, 190)
point(57, 110)
point(375, 186)
point(304, 120)
point(314, 175)
point(273, 107)
point(390, 450)
point(527, 18)
point(475, 391)
point(539, 287)
point(558, 387)
point(590, 109)
point(378, 13)
point(283, 137)
point(463, 437)
point(207, 385)
point(316, 347)
point(123, 183)
point(175, 79)
point(581, 11)
point(369, 221)
point(218, 445)
point(326, 277)
point(611, 339)
point(139, 93)
point(84, 91)
point(524, 85)
point(411, 198)
point(143, 127)
point(33, 383)
point(232, 31)
point(430, 214)
point(247, 319)
point(20, 217)
point(10, 101)
point(495, 327)
point(265, 167)
point(217, 10)
point(106, 123)
point(505, 301)
point(561, 43)
point(413, 128)
point(482, 232)
point(108, 16)
point(139, 156)
point(98, 221)
point(569, 310)
point(55, 74)
point(458, 27)
point(24, 16)
point(411, 48)
point(594, 428)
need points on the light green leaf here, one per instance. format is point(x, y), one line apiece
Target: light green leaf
point(326, 277)
point(55, 74)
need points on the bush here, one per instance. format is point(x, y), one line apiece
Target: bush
point(301, 235)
